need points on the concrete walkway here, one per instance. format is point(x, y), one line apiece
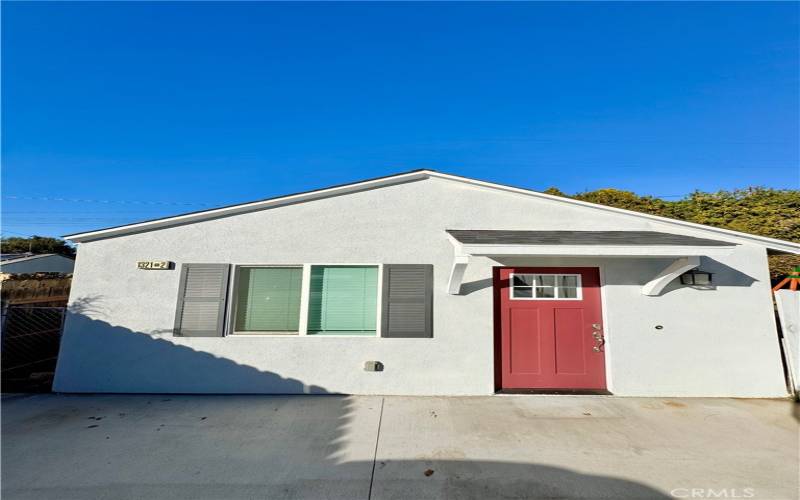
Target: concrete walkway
point(256, 447)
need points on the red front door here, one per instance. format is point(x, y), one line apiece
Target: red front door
point(551, 331)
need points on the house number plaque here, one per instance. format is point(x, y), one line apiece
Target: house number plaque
point(153, 265)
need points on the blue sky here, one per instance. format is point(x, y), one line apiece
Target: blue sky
point(151, 109)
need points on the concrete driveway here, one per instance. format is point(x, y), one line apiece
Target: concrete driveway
point(257, 447)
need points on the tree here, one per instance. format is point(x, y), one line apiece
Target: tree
point(766, 212)
point(626, 199)
point(757, 210)
point(37, 245)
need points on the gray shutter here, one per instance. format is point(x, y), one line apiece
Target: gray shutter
point(407, 308)
point(201, 300)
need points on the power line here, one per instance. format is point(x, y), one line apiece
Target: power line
point(123, 202)
point(49, 224)
point(14, 232)
point(77, 212)
point(56, 217)
point(170, 203)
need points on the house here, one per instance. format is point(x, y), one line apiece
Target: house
point(422, 283)
point(28, 263)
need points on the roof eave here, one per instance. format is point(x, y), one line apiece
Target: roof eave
point(247, 207)
point(595, 250)
point(770, 243)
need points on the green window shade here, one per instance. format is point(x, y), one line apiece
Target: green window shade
point(343, 300)
point(268, 299)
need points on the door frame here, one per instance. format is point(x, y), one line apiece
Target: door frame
point(498, 367)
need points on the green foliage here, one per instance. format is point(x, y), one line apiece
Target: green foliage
point(766, 212)
point(781, 265)
point(555, 192)
point(628, 200)
point(36, 244)
point(763, 211)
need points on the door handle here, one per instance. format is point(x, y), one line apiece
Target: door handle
point(596, 326)
point(599, 341)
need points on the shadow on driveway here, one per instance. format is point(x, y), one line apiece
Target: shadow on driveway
point(247, 447)
point(227, 447)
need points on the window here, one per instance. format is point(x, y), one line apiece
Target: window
point(546, 286)
point(343, 300)
point(268, 300)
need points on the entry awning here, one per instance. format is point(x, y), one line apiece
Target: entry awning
point(486, 242)
point(622, 243)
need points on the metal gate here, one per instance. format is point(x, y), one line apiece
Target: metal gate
point(30, 341)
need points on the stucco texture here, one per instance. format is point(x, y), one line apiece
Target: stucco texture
point(118, 336)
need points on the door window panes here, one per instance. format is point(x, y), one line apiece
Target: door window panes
point(546, 286)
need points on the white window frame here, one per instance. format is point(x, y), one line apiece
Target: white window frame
point(305, 293)
point(556, 287)
point(233, 296)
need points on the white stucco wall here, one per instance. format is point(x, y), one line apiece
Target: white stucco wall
point(788, 302)
point(718, 342)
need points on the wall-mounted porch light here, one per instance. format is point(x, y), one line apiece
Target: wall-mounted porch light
point(696, 277)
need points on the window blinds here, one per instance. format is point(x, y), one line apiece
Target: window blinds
point(343, 300)
point(268, 299)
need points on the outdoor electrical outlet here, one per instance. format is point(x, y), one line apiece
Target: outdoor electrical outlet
point(373, 366)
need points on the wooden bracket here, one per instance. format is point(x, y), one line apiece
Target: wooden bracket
point(669, 273)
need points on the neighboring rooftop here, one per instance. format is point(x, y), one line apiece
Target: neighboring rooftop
point(501, 237)
point(8, 258)
point(12, 256)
